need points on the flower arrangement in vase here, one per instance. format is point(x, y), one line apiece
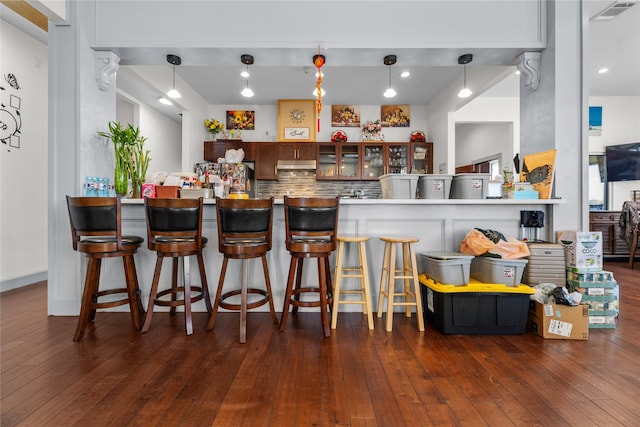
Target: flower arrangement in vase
point(214, 127)
point(371, 130)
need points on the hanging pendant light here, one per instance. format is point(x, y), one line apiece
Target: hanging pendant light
point(389, 60)
point(247, 60)
point(465, 59)
point(174, 60)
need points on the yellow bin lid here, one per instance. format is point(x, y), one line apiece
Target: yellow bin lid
point(475, 286)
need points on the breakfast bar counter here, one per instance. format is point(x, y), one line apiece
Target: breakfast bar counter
point(439, 224)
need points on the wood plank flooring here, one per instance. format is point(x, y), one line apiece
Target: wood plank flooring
point(357, 377)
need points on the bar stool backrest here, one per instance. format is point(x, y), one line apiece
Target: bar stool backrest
point(246, 222)
point(174, 223)
point(311, 224)
point(97, 217)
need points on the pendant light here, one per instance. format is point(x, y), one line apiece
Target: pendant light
point(465, 59)
point(174, 60)
point(247, 60)
point(389, 60)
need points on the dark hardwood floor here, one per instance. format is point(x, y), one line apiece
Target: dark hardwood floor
point(356, 377)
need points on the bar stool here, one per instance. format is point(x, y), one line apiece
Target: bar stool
point(244, 232)
point(174, 230)
point(408, 273)
point(357, 272)
point(311, 225)
point(96, 231)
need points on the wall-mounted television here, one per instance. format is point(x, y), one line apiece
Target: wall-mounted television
point(623, 162)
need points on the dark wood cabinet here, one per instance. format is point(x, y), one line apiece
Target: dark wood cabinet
point(339, 161)
point(213, 150)
point(296, 151)
point(381, 158)
point(266, 160)
point(421, 157)
point(607, 223)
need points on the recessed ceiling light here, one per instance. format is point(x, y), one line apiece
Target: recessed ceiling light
point(405, 74)
point(517, 72)
point(603, 70)
point(165, 101)
point(321, 73)
point(245, 74)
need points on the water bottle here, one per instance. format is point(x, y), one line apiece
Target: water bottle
point(103, 187)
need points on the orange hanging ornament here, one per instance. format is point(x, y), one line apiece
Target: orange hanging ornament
point(318, 62)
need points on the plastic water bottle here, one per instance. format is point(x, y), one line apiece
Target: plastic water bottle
point(103, 187)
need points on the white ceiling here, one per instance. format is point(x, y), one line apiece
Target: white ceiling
point(359, 75)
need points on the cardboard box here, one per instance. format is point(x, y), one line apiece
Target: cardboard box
point(560, 322)
point(582, 250)
point(167, 191)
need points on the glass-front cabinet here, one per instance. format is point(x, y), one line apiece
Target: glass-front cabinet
point(384, 158)
point(338, 161)
point(422, 157)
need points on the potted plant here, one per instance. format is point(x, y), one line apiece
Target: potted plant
point(132, 160)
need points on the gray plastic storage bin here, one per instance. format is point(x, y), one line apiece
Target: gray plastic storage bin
point(469, 186)
point(449, 268)
point(434, 186)
point(498, 270)
point(398, 186)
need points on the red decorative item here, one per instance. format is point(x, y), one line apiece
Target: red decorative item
point(338, 136)
point(417, 136)
point(318, 62)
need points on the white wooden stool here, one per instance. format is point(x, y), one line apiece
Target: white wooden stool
point(408, 273)
point(359, 271)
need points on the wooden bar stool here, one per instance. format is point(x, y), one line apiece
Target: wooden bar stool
point(174, 230)
point(359, 271)
point(311, 225)
point(96, 231)
point(408, 273)
point(244, 232)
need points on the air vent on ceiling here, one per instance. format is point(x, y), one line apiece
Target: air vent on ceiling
point(613, 11)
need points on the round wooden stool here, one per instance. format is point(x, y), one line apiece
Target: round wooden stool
point(359, 271)
point(408, 273)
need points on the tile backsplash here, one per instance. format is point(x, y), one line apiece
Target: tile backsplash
point(301, 183)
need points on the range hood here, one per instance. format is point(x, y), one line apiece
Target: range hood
point(296, 164)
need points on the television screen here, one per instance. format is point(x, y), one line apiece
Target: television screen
point(623, 162)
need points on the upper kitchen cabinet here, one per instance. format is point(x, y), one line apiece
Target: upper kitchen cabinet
point(382, 158)
point(213, 150)
point(338, 161)
point(296, 151)
point(421, 157)
point(267, 160)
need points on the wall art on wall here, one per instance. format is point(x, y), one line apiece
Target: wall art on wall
point(241, 119)
point(538, 169)
point(10, 119)
point(345, 115)
point(395, 116)
point(297, 120)
point(595, 121)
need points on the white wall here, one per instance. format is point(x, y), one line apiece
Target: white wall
point(620, 125)
point(487, 126)
point(164, 140)
point(477, 141)
point(23, 174)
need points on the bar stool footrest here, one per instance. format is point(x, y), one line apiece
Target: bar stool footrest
point(303, 290)
point(110, 304)
point(236, 292)
point(178, 302)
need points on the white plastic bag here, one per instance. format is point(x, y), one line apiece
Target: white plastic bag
point(234, 156)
